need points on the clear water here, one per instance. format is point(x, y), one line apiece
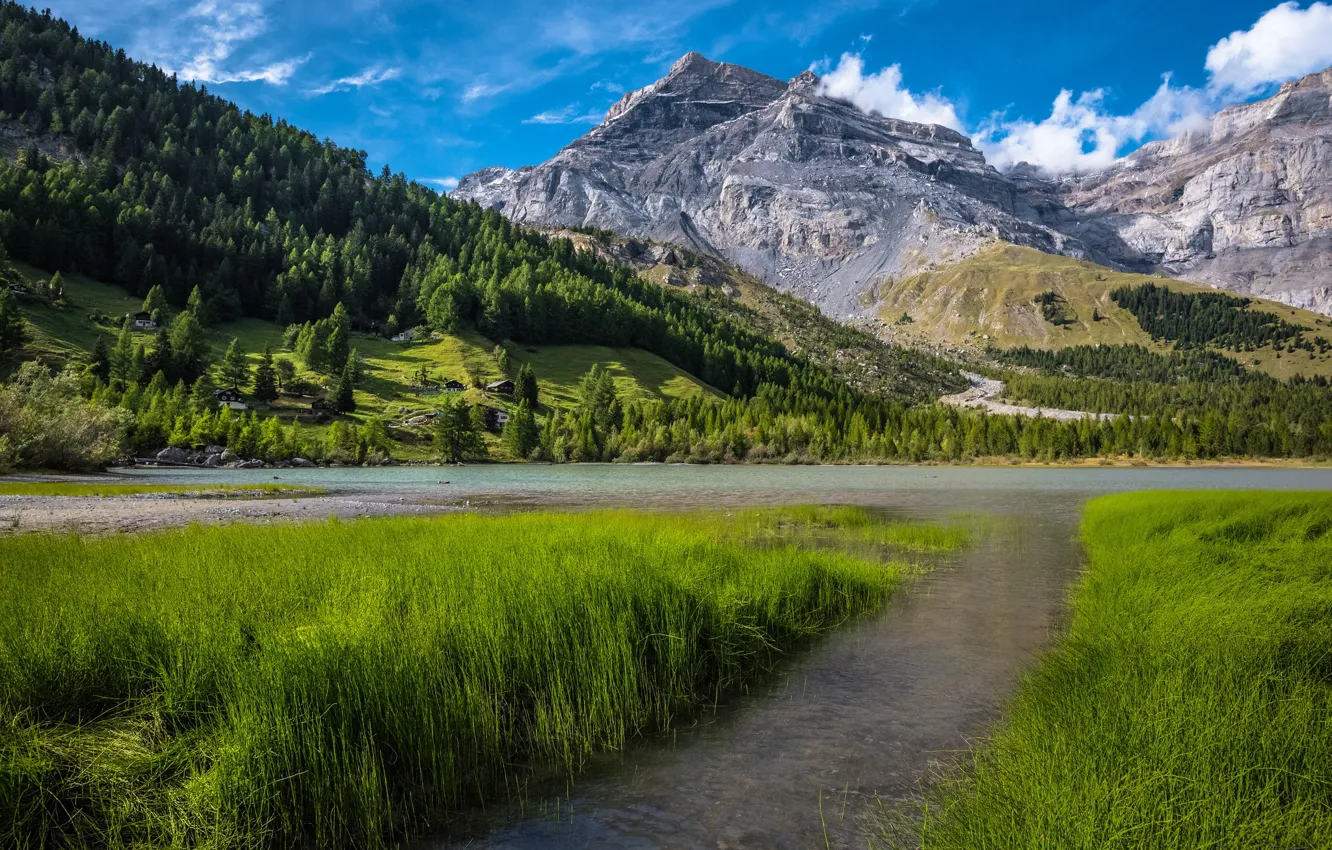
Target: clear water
point(852, 724)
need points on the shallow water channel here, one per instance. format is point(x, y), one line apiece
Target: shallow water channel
point(858, 720)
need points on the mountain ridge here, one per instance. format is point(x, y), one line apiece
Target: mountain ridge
point(822, 200)
point(786, 182)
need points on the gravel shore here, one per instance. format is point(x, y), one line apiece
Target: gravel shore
point(125, 514)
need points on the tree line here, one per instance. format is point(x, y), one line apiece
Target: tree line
point(1192, 320)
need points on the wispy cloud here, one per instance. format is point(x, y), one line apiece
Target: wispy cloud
point(448, 184)
point(371, 76)
point(549, 41)
point(204, 49)
point(571, 114)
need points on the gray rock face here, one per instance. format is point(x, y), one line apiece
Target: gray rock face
point(821, 200)
point(1245, 204)
point(809, 193)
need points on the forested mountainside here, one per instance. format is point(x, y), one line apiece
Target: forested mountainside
point(227, 225)
point(127, 175)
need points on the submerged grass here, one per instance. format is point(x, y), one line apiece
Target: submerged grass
point(65, 488)
point(848, 525)
point(1190, 704)
point(341, 685)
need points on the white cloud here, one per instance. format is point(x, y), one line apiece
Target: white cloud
point(1082, 135)
point(448, 184)
point(371, 76)
point(216, 31)
point(1285, 43)
point(571, 114)
point(883, 93)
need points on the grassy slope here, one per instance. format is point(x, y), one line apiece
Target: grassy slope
point(333, 684)
point(1190, 703)
point(991, 294)
point(387, 388)
point(859, 358)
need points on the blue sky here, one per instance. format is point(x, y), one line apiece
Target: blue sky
point(437, 89)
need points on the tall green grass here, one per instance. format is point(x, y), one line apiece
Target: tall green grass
point(340, 685)
point(1190, 704)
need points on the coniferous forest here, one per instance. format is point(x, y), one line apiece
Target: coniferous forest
point(126, 175)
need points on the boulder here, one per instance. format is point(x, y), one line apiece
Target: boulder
point(172, 454)
point(213, 461)
point(250, 464)
point(228, 456)
point(302, 463)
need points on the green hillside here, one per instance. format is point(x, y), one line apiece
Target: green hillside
point(388, 387)
point(989, 300)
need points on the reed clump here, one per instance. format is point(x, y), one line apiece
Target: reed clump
point(344, 685)
point(1189, 704)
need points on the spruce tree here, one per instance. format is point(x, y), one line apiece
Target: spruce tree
point(339, 341)
point(13, 327)
point(344, 395)
point(189, 346)
point(122, 357)
point(99, 363)
point(161, 360)
point(455, 437)
point(525, 386)
point(286, 373)
point(235, 371)
point(195, 304)
point(265, 379)
point(521, 435)
point(155, 304)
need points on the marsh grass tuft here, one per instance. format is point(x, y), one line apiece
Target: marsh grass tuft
point(338, 684)
point(1190, 703)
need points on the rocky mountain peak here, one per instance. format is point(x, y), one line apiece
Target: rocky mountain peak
point(823, 200)
point(806, 80)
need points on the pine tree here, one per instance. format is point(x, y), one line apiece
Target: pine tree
point(286, 373)
point(339, 343)
point(160, 361)
point(189, 346)
point(525, 386)
point(455, 436)
point(55, 287)
point(99, 363)
point(13, 327)
point(195, 304)
point(235, 371)
point(521, 435)
point(344, 392)
point(122, 357)
point(155, 304)
point(265, 379)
